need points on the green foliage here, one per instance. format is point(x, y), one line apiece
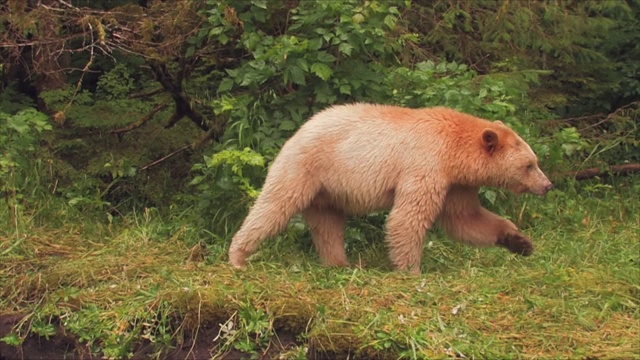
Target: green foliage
point(249, 330)
point(263, 68)
point(327, 54)
point(140, 284)
point(59, 99)
point(570, 141)
point(227, 184)
point(43, 327)
point(136, 282)
point(330, 53)
point(234, 161)
point(12, 339)
point(98, 170)
point(572, 40)
point(19, 135)
point(117, 83)
point(12, 101)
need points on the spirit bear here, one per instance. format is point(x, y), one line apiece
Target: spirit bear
point(426, 165)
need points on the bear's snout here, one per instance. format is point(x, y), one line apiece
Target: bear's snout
point(542, 190)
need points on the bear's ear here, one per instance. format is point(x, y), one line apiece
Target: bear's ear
point(498, 122)
point(490, 140)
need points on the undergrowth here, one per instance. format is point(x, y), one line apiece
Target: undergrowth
point(160, 281)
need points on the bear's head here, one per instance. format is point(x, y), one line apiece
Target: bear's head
point(511, 162)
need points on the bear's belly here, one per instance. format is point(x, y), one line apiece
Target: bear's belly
point(354, 203)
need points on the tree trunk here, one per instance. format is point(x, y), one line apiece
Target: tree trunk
point(49, 61)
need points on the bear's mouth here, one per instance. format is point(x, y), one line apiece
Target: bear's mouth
point(520, 189)
point(541, 191)
point(535, 191)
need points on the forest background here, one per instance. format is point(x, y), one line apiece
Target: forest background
point(135, 135)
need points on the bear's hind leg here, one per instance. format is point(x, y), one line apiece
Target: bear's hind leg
point(268, 216)
point(465, 220)
point(327, 230)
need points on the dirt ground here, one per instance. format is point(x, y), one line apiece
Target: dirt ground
point(66, 346)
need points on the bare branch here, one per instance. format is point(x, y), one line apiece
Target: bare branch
point(172, 154)
point(624, 169)
point(145, 94)
point(142, 120)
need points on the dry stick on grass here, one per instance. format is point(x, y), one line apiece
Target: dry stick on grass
point(172, 154)
point(212, 134)
point(614, 169)
point(599, 118)
point(142, 121)
point(145, 94)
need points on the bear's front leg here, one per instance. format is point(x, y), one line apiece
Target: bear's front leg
point(414, 211)
point(516, 243)
point(464, 219)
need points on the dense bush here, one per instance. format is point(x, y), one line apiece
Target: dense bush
point(250, 73)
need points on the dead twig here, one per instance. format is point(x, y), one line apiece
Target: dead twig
point(172, 154)
point(624, 169)
point(212, 134)
point(601, 116)
point(145, 94)
point(143, 120)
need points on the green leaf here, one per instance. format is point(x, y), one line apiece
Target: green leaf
point(357, 18)
point(225, 85)
point(390, 21)
point(296, 75)
point(345, 48)
point(324, 95)
point(130, 171)
point(216, 31)
point(287, 125)
point(325, 57)
point(12, 339)
point(18, 124)
point(262, 4)
point(303, 64)
point(491, 196)
point(315, 43)
point(323, 71)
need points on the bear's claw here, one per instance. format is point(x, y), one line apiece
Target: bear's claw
point(516, 243)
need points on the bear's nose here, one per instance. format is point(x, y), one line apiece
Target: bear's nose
point(549, 186)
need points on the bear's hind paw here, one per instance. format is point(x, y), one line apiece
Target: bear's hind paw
point(516, 243)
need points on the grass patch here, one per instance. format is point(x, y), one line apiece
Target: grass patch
point(150, 286)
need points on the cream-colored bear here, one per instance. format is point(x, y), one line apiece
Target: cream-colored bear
point(425, 164)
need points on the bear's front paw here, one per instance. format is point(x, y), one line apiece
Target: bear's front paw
point(516, 243)
point(238, 258)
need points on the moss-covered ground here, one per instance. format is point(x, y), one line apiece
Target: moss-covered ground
point(147, 286)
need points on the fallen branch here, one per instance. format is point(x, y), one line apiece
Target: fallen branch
point(599, 118)
point(145, 94)
point(612, 170)
point(172, 154)
point(212, 134)
point(143, 120)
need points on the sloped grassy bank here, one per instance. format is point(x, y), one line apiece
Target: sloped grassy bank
point(137, 290)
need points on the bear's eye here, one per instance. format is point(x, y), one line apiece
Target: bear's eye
point(530, 167)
